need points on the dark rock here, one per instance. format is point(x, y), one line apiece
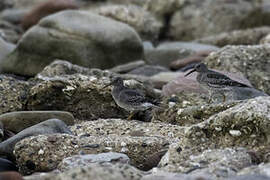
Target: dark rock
point(18, 121)
point(6, 165)
point(47, 127)
point(10, 176)
point(13, 94)
point(84, 96)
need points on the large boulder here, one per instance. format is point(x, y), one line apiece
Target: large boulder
point(141, 20)
point(45, 152)
point(82, 38)
point(198, 19)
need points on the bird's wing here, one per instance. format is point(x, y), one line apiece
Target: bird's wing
point(132, 96)
point(218, 79)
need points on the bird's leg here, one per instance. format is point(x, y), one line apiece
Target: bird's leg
point(224, 97)
point(131, 115)
point(210, 97)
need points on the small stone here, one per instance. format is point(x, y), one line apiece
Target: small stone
point(235, 132)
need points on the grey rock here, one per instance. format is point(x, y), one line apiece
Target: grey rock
point(84, 160)
point(52, 149)
point(250, 177)
point(5, 49)
point(219, 162)
point(148, 70)
point(13, 16)
point(105, 127)
point(95, 171)
point(117, 43)
point(250, 61)
point(263, 169)
point(164, 56)
point(251, 36)
point(13, 94)
point(124, 68)
point(9, 32)
point(50, 126)
point(265, 39)
point(206, 21)
point(61, 68)
point(146, 25)
point(194, 46)
point(82, 95)
point(18, 121)
point(176, 176)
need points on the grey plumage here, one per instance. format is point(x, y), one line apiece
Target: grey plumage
point(215, 82)
point(130, 99)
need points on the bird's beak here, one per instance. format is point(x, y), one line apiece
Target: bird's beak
point(193, 70)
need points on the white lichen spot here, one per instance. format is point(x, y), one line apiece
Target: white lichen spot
point(68, 88)
point(235, 132)
point(40, 152)
point(108, 148)
point(179, 112)
point(171, 104)
point(92, 78)
point(218, 128)
point(170, 134)
point(124, 149)
point(185, 103)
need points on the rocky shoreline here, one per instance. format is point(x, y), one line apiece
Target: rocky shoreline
point(59, 121)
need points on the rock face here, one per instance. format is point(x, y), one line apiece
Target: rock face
point(96, 42)
point(253, 62)
point(13, 94)
point(79, 94)
point(53, 148)
point(220, 162)
point(232, 15)
point(104, 127)
point(47, 127)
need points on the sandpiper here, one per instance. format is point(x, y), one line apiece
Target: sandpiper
point(214, 82)
point(132, 100)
